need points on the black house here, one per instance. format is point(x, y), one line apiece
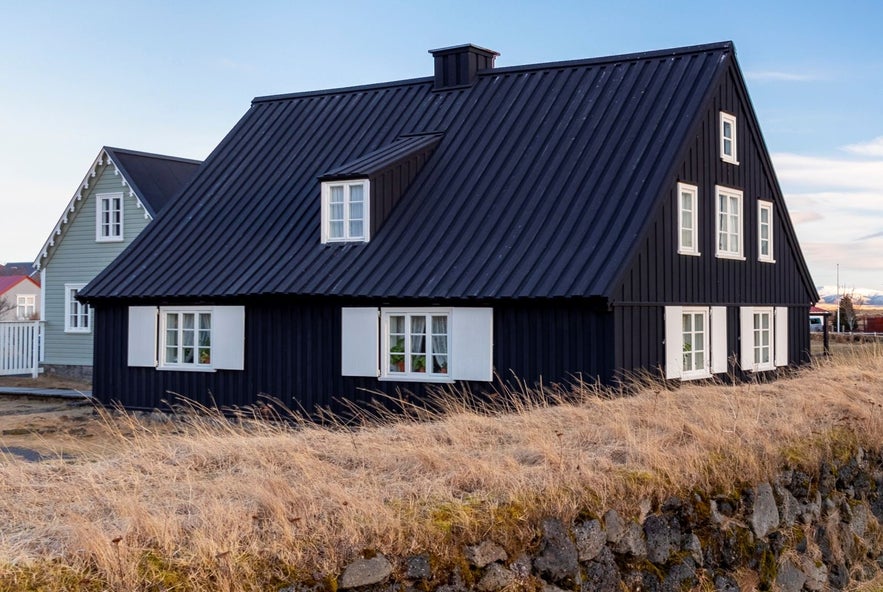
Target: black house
point(552, 221)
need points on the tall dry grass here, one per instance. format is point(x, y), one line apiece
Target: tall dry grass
point(202, 502)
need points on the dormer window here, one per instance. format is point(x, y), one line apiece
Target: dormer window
point(345, 207)
point(728, 138)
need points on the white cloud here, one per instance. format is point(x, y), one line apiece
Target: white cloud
point(781, 76)
point(836, 205)
point(871, 148)
point(823, 173)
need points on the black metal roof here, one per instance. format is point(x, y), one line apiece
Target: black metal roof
point(539, 187)
point(156, 178)
point(385, 157)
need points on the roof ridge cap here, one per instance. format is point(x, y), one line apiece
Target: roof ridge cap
point(151, 155)
point(342, 90)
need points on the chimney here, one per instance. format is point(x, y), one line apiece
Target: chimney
point(458, 66)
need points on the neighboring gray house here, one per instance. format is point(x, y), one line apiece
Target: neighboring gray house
point(121, 193)
point(19, 298)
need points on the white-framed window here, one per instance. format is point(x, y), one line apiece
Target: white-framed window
point(765, 231)
point(77, 316)
point(345, 211)
point(729, 223)
point(764, 336)
point(109, 217)
point(694, 335)
point(25, 306)
point(185, 338)
point(688, 221)
point(417, 344)
point(729, 144)
point(695, 341)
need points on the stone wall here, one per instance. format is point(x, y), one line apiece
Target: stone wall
point(799, 532)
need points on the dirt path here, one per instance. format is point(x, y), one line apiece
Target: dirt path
point(35, 429)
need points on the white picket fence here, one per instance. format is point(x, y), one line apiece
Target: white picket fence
point(20, 344)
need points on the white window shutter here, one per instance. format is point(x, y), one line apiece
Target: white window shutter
point(228, 337)
point(360, 342)
point(746, 318)
point(781, 337)
point(142, 336)
point(718, 339)
point(472, 344)
point(674, 341)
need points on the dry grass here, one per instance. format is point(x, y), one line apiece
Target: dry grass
point(205, 503)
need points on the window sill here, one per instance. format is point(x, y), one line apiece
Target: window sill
point(697, 376)
point(731, 256)
point(767, 260)
point(690, 253)
point(412, 378)
point(769, 368)
point(116, 239)
point(78, 331)
point(732, 161)
point(185, 369)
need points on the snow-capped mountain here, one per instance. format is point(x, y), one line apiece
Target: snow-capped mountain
point(828, 294)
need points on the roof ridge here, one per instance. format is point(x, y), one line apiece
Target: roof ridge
point(645, 55)
point(152, 155)
point(612, 59)
point(343, 90)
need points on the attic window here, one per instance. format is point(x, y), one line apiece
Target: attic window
point(728, 138)
point(109, 217)
point(345, 208)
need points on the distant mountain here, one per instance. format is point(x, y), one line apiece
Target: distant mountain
point(865, 296)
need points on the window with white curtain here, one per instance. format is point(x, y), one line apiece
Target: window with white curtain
point(688, 236)
point(417, 344)
point(345, 211)
point(765, 231)
point(186, 338)
point(729, 223)
point(728, 143)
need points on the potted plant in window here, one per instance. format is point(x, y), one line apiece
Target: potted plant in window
point(397, 358)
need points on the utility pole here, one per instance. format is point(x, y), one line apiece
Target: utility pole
point(838, 298)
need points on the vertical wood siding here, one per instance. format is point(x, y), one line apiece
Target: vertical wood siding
point(658, 274)
point(292, 352)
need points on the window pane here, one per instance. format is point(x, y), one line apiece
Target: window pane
point(188, 355)
point(439, 364)
point(418, 363)
point(172, 320)
point(687, 322)
point(336, 229)
point(687, 219)
point(336, 194)
point(356, 193)
point(418, 324)
point(699, 342)
point(688, 362)
point(687, 239)
point(356, 229)
point(171, 355)
point(699, 323)
point(335, 211)
point(205, 321)
point(700, 361)
point(356, 211)
point(728, 129)
point(397, 324)
point(418, 344)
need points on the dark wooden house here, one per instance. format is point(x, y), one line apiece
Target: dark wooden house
point(549, 222)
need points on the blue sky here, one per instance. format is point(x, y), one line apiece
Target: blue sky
point(174, 76)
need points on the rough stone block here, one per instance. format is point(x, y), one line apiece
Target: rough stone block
point(765, 514)
point(365, 572)
point(590, 538)
point(484, 553)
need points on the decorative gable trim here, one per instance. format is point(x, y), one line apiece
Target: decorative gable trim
point(102, 160)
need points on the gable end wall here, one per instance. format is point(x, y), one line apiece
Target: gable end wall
point(76, 258)
point(658, 275)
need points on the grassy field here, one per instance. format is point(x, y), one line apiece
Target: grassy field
point(203, 503)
